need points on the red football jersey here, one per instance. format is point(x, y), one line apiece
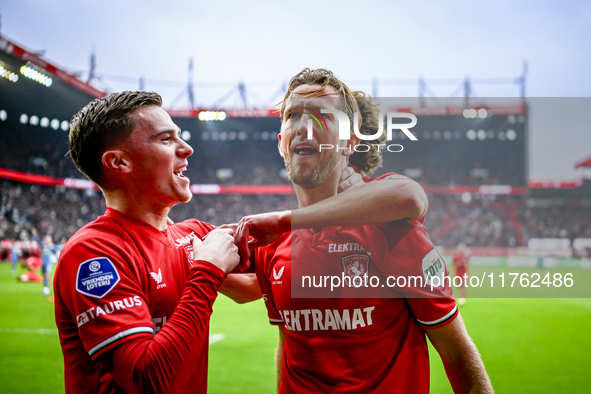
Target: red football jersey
point(350, 344)
point(460, 263)
point(460, 259)
point(387, 175)
point(119, 278)
point(391, 176)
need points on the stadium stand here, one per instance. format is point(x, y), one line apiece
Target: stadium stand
point(473, 167)
point(507, 221)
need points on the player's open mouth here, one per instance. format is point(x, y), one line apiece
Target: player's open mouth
point(304, 150)
point(179, 172)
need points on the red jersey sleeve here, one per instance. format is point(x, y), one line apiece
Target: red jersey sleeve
point(95, 280)
point(387, 175)
point(422, 277)
point(394, 176)
point(102, 290)
point(263, 262)
point(165, 362)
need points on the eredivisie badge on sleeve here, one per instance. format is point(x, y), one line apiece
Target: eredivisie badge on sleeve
point(355, 267)
point(96, 277)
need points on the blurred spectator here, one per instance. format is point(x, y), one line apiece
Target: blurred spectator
point(15, 255)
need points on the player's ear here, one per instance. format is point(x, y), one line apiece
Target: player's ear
point(117, 161)
point(352, 142)
point(279, 145)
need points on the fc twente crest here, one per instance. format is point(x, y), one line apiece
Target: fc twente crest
point(355, 267)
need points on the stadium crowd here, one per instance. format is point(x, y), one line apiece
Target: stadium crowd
point(430, 171)
point(502, 222)
point(481, 222)
point(469, 166)
point(60, 212)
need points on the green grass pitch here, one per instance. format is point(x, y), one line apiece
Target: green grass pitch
point(528, 345)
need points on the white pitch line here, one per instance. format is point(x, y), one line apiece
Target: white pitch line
point(42, 331)
point(213, 338)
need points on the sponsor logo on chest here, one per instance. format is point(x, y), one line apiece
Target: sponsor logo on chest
point(185, 240)
point(327, 319)
point(346, 247)
point(187, 245)
point(158, 322)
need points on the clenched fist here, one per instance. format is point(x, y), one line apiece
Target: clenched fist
point(263, 228)
point(218, 247)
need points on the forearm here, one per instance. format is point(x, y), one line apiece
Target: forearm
point(241, 288)
point(372, 203)
point(461, 359)
point(278, 361)
point(165, 362)
point(467, 374)
point(279, 357)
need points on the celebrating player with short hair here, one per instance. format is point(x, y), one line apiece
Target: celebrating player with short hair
point(351, 344)
point(133, 295)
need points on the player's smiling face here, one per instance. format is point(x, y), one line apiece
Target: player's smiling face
point(309, 166)
point(159, 157)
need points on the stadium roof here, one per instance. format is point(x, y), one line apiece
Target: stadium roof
point(17, 50)
point(584, 163)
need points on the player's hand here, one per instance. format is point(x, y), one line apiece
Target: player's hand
point(350, 179)
point(231, 226)
point(218, 247)
point(244, 264)
point(259, 230)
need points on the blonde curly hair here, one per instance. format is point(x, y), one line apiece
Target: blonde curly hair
point(324, 78)
point(371, 160)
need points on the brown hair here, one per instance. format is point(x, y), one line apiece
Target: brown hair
point(322, 77)
point(102, 123)
point(371, 160)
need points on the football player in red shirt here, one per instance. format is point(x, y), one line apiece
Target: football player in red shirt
point(461, 261)
point(133, 295)
point(351, 344)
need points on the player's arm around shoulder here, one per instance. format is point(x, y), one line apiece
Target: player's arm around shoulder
point(386, 199)
point(395, 197)
point(463, 364)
